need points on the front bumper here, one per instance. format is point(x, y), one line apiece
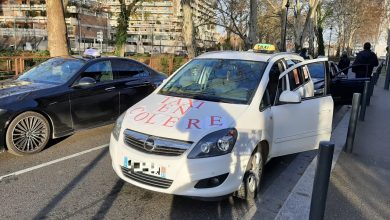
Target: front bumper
point(184, 173)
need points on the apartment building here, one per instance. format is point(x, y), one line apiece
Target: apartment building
point(23, 24)
point(156, 27)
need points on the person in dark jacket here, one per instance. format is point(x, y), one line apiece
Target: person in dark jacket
point(344, 63)
point(303, 54)
point(366, 60)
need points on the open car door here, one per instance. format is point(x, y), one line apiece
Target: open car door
point(300, 126)
point(343, 86)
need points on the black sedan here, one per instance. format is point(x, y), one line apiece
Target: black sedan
point(66, 94)
point(341, 86)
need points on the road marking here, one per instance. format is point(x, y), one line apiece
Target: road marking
point(52, 162)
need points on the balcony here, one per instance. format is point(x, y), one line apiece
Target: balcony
point(23, 32)
point(39, 19)
point(23, 7)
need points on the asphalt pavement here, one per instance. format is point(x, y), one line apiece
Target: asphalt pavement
point(73, 179)
point(359, 185)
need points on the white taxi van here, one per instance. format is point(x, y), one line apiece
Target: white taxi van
point(208, 130)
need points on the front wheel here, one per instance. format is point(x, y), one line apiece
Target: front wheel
point(28, 133)
point(252, 178)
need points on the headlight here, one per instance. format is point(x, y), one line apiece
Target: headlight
point(2, 111)
point(118, 125)
point(215, 144)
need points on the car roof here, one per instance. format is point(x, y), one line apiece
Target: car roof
point(234, 55)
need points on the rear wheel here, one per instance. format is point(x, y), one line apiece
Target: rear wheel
point(252, 178)
point(28, 133)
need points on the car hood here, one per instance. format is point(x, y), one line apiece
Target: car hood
point(19, 87)
point(180, 118)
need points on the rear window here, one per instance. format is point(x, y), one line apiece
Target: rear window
point(317, 70)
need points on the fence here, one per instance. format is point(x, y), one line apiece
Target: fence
point(13, 66)
point(163, 63)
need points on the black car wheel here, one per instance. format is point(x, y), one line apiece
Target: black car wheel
point(28, 133)
point(251, 181)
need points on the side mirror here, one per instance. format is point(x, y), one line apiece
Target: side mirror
point(85, 82)
point(290, 97)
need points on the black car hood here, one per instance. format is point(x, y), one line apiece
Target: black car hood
point(19, 87)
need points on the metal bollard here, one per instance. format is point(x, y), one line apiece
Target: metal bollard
point(321, 181)
point(352, 123)
point(364, 101)
point(387, 80)
point(370, 92)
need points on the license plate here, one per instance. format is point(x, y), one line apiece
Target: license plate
point(144, 167)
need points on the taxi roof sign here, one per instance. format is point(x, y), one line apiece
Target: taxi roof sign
point(264, 48)
point(91, 53)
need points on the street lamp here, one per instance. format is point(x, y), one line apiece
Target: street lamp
point(284, 46)
point(330, 39)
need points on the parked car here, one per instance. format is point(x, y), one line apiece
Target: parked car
point(182, 53)
point(66, 94)
point(129, 53)
point(211, 127)
point(341, 86)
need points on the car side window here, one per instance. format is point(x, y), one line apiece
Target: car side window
point(306, 76)
point(273, 82)
point(295, 78)
point(125, 69)
point(100, 71)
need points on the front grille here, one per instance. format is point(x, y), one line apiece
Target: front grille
point(160, 146)
point(146, 178)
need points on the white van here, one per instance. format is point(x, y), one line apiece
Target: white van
point(208, 130)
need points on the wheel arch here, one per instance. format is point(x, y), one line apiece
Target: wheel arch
point(43, 113)
point(263, 147)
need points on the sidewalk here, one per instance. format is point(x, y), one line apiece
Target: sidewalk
point(360, 182)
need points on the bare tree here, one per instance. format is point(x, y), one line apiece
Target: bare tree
point(253, 23)
point(126, 10)
point(56, 28)
point(188, 28)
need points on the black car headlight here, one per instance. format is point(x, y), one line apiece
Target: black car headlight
point(118, 125)
point(2, 111)
point(215, 144)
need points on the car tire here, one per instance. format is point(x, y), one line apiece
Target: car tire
point(251, 182)
point(28, 133)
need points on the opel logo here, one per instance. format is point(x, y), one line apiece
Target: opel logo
point(149, 144)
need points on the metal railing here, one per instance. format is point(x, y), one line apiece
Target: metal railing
point(23, 32)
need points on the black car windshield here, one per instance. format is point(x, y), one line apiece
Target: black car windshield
point(219, 80)
point(56, 70)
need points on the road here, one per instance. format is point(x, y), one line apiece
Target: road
point(85, 186)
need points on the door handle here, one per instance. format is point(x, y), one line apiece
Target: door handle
point(110, 88)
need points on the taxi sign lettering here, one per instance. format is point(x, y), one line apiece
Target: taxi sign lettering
point(264, 48)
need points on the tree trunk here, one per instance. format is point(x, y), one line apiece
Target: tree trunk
point(56, 29)
point(309, 19)
point(188, 28)
point(321, 44)
point(283, 33)
point(253, 24)
point(121, 32)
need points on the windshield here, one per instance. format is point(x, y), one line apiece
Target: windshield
point(57, 71)
point(230, 81)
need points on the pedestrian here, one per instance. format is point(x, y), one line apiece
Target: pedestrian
point(365, 62)
point(344, 63)
point(303, 54)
